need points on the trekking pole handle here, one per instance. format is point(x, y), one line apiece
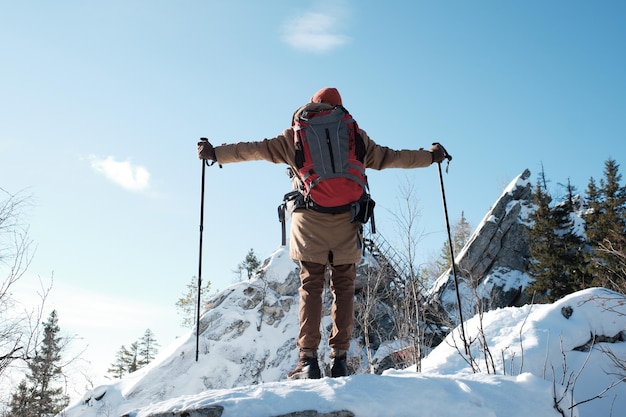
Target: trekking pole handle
point(206, 161)
point(445, 152)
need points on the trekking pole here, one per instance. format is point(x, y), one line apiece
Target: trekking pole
point(204, 164)
point(456, 281)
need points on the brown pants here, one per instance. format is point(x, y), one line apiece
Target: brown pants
point(342, 279)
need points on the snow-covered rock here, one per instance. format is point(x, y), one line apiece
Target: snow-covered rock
point(536, 352)
point(492, 265)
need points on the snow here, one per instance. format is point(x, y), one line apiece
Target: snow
point(280, 264)
point(371, 395)
point(539, 340)
point(519, 181)
point(531, 346)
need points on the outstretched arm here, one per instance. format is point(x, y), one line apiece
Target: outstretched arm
point(381, 157)
point(278, 150)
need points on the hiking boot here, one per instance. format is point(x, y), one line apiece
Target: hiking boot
point(307, 367)
point(338, 365)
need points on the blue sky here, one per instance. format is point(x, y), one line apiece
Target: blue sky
point(102, 103)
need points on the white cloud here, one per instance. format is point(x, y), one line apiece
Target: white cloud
point(316, 31)
point(129, 176)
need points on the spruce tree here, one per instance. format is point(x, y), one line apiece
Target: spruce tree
point(573, 240)
point(187, 304)
point(37, 395)
point(119, 368)
point(556, 250)
point(606, 227)
point(148, 348)
point(570, 246)
point(140, 353)
point(541, 238)
point(250, 264)
point(126, 361)
point(132, 360)
point(461, 232)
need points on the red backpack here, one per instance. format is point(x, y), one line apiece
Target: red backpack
point(329, 158)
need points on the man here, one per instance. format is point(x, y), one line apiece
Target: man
point(321, 240)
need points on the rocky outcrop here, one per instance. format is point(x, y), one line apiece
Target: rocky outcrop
point(491, 268)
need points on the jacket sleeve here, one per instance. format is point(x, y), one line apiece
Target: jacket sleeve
point(381, 157)
point(279, 150)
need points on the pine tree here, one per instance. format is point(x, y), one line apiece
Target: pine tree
point(148, 348)
point(606, 227)
point(187, 304)
point(250, 264)
point(541, 238)
point(132, 360)
point(571, 248)
point(592, 228)
point(36, 395)
point(555, 248)
point(119, 368)
point(140, 353)
point(21, 400)
point(461, 232)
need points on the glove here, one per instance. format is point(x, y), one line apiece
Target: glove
point(438, 153)
point(206, 150)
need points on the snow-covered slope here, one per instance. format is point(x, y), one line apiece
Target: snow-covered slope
point(531, 346)
point(246, 337)
point(569, 340)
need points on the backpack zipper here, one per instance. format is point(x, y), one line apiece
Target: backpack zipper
point(330, 150)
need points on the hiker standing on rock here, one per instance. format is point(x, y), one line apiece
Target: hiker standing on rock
point(328, 154)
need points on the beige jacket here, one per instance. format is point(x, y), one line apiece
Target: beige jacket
point(321, 237)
